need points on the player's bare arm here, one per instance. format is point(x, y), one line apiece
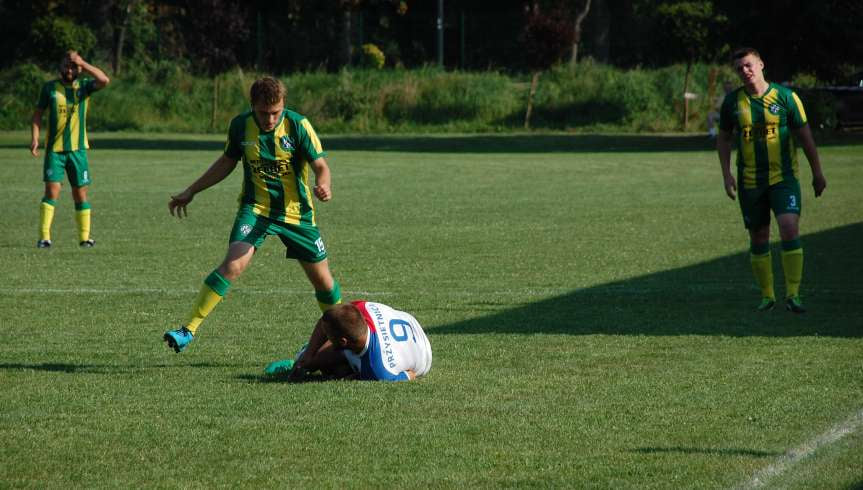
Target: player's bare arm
point(804, 136)
point(35, 126)
point(723, 147)
point(322, 188)
point(317, 340)
point(221, 168)
point(100, 78)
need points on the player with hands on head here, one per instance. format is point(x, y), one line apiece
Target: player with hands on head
point(66, 100)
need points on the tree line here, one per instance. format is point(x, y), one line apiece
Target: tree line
point(823, 38)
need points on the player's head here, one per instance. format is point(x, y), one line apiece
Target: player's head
point(345, 326)
point(268, 101)
point(68, 69)
point(748, 65)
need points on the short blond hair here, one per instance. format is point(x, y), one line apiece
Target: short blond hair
point(267, 91)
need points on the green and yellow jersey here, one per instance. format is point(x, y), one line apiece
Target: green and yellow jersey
point(276, 166)
point(67, 115)
point(765, 148)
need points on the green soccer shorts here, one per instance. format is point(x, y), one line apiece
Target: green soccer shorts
point(782, 198)
point(303, 242)
point(73, 163)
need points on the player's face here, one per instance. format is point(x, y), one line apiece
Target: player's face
point(750, 69)
point(68, 71)
point(268, 115)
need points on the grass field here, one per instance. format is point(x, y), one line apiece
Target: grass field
point(588, 300)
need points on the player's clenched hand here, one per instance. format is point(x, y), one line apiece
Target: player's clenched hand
point(178, 204)
point(323, 192)
point(34, 148)
point(819, 183)
point(731, 187)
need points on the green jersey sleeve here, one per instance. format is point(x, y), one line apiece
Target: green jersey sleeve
point(44, 96)
point(796, 113)
point(308, 141)
point(233, 148)
point(727, 118)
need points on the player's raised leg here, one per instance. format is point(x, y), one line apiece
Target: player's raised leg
point(328, 292)
point(214, 288)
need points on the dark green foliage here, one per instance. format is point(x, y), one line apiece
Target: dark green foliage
point(52, 36)
point(165, 97)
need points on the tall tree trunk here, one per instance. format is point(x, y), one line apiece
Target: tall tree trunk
point(601, 21)
point(345, 47)
point(120, 38)
point(686, 94)
point(534, 81)
point(576, 33)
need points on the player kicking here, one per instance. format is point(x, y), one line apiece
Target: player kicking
point(362, 340)
point(278, 148)
point(765, 115)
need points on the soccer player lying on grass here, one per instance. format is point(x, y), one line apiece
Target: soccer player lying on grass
point(362, 340)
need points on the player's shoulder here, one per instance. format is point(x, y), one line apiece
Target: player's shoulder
point(293, 117)
point(239, 121)
point(50, 84)
point(783, 91)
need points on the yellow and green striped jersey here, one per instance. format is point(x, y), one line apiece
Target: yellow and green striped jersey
point(765, 148)
point(276, 165)
point(67, 117)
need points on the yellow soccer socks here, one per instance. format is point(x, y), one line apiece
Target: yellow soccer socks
point(792, 266)
point(328, 299)
point(82, 218)
point(46, 217)
point(215, 287)
point(762, 268)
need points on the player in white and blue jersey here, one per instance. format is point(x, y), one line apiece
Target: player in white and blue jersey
point(365, 340)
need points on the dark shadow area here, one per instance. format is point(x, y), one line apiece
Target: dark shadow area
point(712, 451)
point(443, 143)
point(309, 378)
point(167, 144)
point(104, 368)
point(522, 143)
point(711, 298)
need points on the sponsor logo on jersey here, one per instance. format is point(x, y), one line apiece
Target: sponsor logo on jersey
point(248, 143)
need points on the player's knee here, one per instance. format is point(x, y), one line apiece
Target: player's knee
point(232, 270)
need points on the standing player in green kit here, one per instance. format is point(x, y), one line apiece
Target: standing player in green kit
point(278, 148)
point(66, 100)
point(765, 116)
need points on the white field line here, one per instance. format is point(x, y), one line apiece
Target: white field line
point(794, 456)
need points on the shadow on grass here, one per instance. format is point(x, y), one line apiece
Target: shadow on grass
point(712, 451)
point(264, 378)
point(69, 368)
point(712, 298)
point(445, 143)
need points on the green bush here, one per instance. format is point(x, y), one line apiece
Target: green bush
point(52, 36)
point(163, 96)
